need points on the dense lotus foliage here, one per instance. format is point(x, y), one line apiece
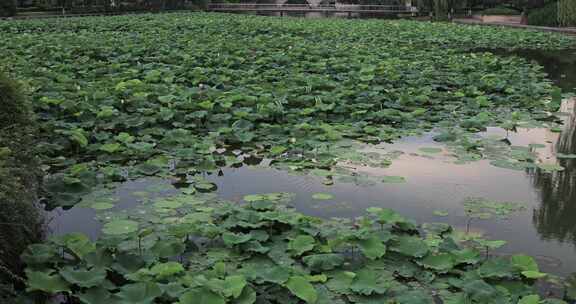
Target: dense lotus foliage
point(174, 95)
point(193, 248)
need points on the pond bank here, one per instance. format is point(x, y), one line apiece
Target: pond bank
point(20, 219)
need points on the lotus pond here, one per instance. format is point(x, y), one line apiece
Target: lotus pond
point(191, 157)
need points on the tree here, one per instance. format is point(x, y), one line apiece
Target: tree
point(7, 8)
point(567, 12)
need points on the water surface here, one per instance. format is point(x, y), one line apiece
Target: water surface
point(546, 228)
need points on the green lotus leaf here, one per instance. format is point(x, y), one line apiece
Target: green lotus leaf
point(340, 281)
point(168, 248)
point(46, 282)
point(202, 295)
point(322, 196)
point(394, 179)
point(496, 268)
point(248, 296)
point(102, 206)
point(164, 270)
point(410, 246)
point(234, 285)
point(442, 263)
point(168, 204)
point(368, 282)
point(118, 227)
point(83, 277)
point(430, 150)
point(96, 295)
point(323, 262)
point(415, 297)
point(301, 244)
point(141, 293)
point(524, 262)
point(530, 274)
point(235, 238)
point(37, 254)
point(301, 288)
point(148, 169)
point(531, 299)
point(372, 248)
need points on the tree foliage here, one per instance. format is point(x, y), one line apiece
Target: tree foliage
point(7, 8)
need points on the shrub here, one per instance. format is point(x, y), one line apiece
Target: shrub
point(567, 12)
point(501, 11)
point(7, 8)
point(545, 16)
point(20, 223)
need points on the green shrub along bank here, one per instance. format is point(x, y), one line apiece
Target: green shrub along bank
point(506, 11)
point(567, 12)
point(7, 8)
point(556, 13)
point(545, 16)
point(20, 223)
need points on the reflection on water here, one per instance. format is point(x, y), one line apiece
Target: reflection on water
point(555, 219)
point(545, 228)
point(560, 65)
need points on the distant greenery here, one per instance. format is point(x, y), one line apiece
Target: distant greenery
point(567, 12)
point(501, 11)
point(7, 8)
point(546, 16)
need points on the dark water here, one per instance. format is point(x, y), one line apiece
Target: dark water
point(546, 228)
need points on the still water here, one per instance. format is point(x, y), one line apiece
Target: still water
point(545, 228)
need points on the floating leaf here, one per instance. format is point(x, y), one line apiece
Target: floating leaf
point(550, 167)
point(301, 244)
point(97, 295)
point(533, 274)
point(441, 213)
point(233, 286)
point(524, 262)
point(430, 150)
point(43, 281)
point(119, 227)
point(373, 248)
point(301, 288)
point(148, 169)
point(442, 263)
point(83, 277)
point(235, 238)
point(394, 179)
point(164, 270)
point(367, 282)
point(139, 293)
point(531, 299)
point(202, 295)
point(565, 156)
point(101, 206)
point(322, 196)
point(410, 245)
